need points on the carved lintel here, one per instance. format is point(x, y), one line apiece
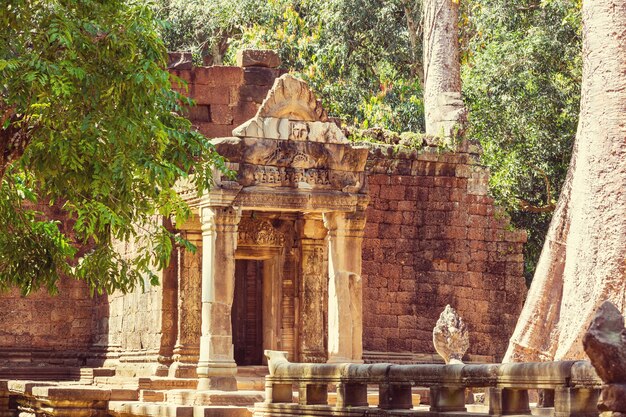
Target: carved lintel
point(259, 232)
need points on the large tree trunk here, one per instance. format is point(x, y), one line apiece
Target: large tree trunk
point(583, 262)
point(442, 69)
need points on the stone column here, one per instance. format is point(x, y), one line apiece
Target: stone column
point(313, 292)
point(216, 366)
point(345, 289)
point(187, 346)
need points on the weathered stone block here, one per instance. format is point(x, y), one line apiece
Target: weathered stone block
point(221, 114)
point(259, 76)
point(258, 58)
point(206, 95)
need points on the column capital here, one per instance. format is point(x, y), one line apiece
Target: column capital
point(348, 224)
point(212, 216)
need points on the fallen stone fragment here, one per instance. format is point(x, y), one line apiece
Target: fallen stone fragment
point(605, 343)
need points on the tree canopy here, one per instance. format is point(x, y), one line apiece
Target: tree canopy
point(521, 79)
point(89, 127)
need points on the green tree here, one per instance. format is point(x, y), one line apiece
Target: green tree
point(206, 28)
point(521, 80)
point(89, 124)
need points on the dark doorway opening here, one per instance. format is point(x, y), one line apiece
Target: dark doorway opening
point(247, 313)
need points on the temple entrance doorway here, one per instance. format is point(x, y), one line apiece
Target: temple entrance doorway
point(247, 312)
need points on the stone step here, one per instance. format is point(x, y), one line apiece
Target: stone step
point(117, 382)
point(33, 373)
point(102, 372)
point(141, 409)
point(252, 371)
point(138, 408)
point(222, 411)
point(222, 398)
point(124, 394)
point(250, 383)
point(166, 383)
point(146, 395)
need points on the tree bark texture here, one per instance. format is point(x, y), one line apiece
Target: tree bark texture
point(442, 70)
point(583, 262)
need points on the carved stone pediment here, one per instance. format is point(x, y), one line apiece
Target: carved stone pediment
point(291, 144)
point(290, 157)
point(291, 98)
point(259, 232)
point(291, 112)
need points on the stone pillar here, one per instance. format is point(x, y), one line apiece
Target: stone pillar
point(216, 365)
point(186, 351)
point(313, 292)
point(345, 289)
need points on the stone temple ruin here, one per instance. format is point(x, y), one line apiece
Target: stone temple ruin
point(295, 213)
point(332, 252)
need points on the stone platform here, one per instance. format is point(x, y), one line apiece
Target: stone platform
point(100, 392)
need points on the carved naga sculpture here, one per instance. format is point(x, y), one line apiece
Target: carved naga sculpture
point(450, 336)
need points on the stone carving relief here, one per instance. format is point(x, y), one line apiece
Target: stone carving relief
point(314, 290)
point(259, 232)
point(450, 336)
point(299, 131)
point(289, 177)
point(272, 128)
point(284, 153)
point(291, 111)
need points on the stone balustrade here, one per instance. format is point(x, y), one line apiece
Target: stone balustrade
point(575, 384)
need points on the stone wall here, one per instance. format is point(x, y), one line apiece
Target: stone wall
point(135, 332)
point(225, 97)
point(46, 329)
point(433, 237)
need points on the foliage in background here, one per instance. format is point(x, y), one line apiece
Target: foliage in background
point(89, 124)
point(205, 28)
point(521, 81)
point(356, 54)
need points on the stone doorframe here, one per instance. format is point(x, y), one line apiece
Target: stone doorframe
point(288, 158)
point(272, 275)
point(216, 366)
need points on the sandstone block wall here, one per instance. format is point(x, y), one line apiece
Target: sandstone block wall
point(131, 330)
point(225, 96)
point(46, 329)
point(433, 237)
